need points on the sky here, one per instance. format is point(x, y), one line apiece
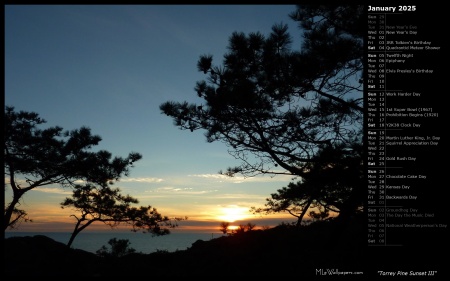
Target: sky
point(109, 67)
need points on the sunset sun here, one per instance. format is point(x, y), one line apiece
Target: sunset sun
point(232, 213)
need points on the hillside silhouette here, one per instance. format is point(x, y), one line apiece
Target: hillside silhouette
point(312, 251)
point(284, 250)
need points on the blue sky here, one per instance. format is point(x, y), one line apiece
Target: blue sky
point(109, 67)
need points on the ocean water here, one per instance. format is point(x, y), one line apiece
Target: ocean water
point(141, 242)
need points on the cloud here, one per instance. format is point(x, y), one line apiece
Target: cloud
point(245, 196)
point(185, 190)
point(141, 180)
point(241, 179)
point(54, 190)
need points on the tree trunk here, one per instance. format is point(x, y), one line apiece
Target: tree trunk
point(305, 209)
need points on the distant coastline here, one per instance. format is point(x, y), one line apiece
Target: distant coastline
point(141, 242)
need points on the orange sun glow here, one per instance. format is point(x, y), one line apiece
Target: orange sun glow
point(232, 213)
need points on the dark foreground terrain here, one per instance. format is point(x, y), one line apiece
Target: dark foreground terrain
point(318, 250)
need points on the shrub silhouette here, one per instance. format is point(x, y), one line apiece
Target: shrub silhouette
point(119, 248)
